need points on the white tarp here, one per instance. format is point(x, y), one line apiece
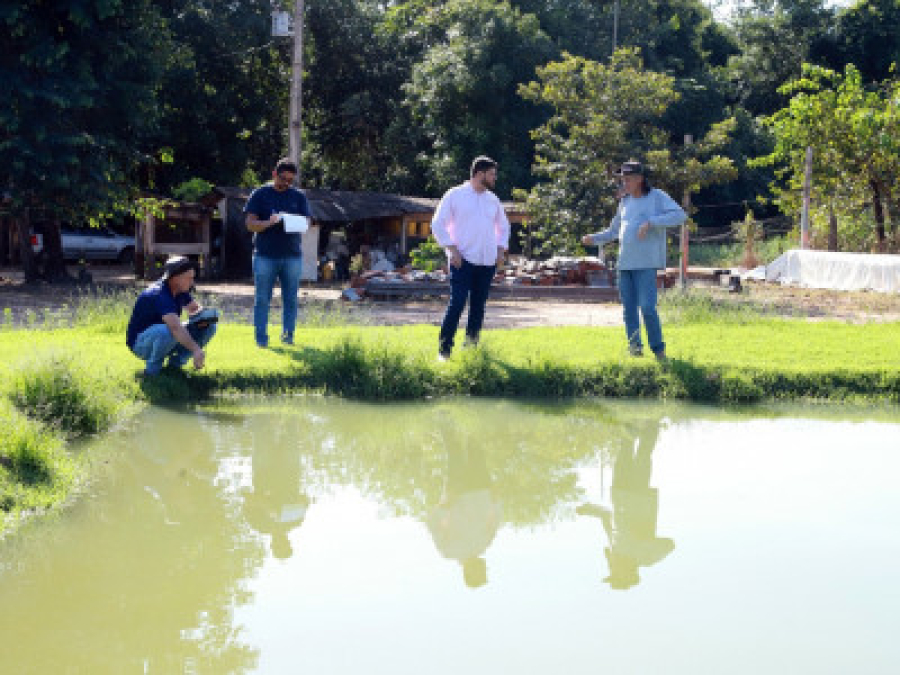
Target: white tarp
point(839, 271)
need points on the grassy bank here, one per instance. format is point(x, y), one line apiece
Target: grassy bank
point(58, 383)
point(710, 362)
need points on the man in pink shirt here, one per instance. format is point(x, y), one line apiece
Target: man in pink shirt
point(473, 229)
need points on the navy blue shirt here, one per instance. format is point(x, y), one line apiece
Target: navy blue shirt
point(274, 242)
point(152, 304)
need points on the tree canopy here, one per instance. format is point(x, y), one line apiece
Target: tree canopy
point(105, 98)
point(81, 80)
point(603, 114)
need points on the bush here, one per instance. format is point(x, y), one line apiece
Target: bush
point(731, 255)
point(479, 373)
point(192, 190)
point(428, 256)
point(35, 471)
point(59, 392)
point(381, 372)
point(545, 377)
point(27, 451)
point(739, 388)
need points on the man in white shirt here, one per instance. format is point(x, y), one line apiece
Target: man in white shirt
point(473, 229)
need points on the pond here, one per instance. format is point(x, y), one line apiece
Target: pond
point(469, 536)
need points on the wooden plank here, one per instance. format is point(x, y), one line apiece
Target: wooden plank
point(186, 214)
point(383, 289)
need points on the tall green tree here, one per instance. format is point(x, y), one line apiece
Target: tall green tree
point(461, 93)
point(225, 91)
point(866, 34)
point(78, 108)
point(602, 115)
point(775, 38)
point(854, 132)
point(356, 128)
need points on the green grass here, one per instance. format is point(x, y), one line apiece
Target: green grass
point(59, 391)
point(59, 382)
point(36, 472)
point(775, 358)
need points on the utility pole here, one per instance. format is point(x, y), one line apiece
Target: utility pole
point(615, 25)
point(295, 123)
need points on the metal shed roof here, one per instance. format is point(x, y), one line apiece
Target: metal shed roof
point(346, 206)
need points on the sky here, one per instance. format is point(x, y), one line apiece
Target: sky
point(723, 8)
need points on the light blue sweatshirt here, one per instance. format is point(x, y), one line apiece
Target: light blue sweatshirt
point(655, 207)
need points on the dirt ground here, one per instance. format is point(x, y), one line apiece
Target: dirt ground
point(236, 299)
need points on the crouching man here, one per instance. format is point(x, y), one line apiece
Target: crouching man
point(155, 332)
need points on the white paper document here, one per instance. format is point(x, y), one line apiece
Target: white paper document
point(295, 223)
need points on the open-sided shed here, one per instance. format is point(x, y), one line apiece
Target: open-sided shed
point(367, 218)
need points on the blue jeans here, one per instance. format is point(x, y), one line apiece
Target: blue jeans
point(157, 342)
point(637, 289)
point(468, 282)
point(265, 271)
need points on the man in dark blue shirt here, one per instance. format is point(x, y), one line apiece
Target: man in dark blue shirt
point(276, 252)
point(155, 331)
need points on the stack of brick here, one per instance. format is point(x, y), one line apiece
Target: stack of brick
point(557, 271)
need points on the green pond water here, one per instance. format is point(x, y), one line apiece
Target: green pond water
point(476, 536)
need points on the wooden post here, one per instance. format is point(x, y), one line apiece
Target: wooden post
point(685, 230)
point(807, 189)
point(149, 257)
point(5, 238)
point(138, 248)
point(404, 223)
point(205, 239)
point(26, 255)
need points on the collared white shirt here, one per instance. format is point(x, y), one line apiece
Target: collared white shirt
point(474, 222)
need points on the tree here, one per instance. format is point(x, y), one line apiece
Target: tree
point(866, 34)
point(78, 111)
point(356, 71)
point(855, 136)
point(461, 93)
point(224, 94)
point(775, 38)
point(602, 115)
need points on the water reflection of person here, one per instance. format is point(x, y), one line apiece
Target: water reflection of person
point(276, 505)
point(630, 524)
point(465, 522)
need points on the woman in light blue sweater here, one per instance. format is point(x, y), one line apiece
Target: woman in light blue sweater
point(640, 225)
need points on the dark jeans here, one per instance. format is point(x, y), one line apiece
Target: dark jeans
point(468, 282)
